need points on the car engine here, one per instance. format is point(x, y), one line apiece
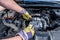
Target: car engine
point(45, 21)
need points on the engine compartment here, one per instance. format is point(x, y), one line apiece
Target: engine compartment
point(46, 22)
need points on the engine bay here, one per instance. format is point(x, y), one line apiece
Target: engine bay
point(46, 22)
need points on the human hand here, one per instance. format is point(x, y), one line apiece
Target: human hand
point(27, 33)
point(26, 15)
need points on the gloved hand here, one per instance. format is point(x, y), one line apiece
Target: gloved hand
point(26, 15)
point(27, 33)
point(29, 29)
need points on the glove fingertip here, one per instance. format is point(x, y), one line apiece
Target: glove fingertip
point(30, 25)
